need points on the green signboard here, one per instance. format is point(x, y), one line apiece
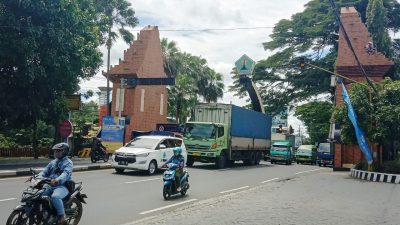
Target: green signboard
point(245, 65)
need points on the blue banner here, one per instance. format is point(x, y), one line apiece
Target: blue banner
point(362, 141)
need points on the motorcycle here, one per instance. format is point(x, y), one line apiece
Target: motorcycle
point(170, 188)
point(99, 154)
point(36, 209)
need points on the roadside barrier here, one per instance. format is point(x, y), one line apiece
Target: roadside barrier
point(377, 177)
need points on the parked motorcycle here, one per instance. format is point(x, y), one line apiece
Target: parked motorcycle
point(99, 154)
point(170, 188)
point(36, 209)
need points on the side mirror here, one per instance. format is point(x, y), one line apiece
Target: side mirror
point(162, 146)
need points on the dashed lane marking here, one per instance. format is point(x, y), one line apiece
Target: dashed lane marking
point(266, 181)
point(138, 181)
point(7, 199)
point(307, 171)
point(166, 207)
point(236, 189)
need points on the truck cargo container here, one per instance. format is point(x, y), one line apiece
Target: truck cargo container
point(225, 133)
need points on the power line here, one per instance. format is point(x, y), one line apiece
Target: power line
point(165, 30)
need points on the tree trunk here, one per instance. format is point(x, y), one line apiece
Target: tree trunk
point(34, 141)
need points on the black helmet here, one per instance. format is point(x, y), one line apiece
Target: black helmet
point(61, 146)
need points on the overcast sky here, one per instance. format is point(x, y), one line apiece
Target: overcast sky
point(220, 48)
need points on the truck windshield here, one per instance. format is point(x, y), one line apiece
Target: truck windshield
point(324, 147)
point(279, 147)
point(204, 131)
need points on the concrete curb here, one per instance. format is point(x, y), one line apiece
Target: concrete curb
point(377, 177)
point(26, 172)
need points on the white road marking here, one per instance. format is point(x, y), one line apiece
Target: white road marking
point(223, 192)
point(168, 206)
point(138, 181)
point(308, 171)
point(266, 181)
point(7, 199)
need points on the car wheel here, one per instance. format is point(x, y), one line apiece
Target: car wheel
point(119, 170)
point(152, 167)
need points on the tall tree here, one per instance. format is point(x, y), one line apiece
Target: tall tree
point(316, 116)
point(115, 14)
point(377, 23)
point(194, 80)
point(313, 34)
point(46, 47)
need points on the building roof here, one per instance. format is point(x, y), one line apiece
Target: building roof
point(375, 63)
point(144, 52)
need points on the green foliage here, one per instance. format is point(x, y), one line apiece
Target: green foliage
point(378, 114)
point(46, 47)
point(316, 117)
point(377, 22)
point(391, 167)
point(87, 115)
point(194, 80)
point(115, 13)
point(312, 34)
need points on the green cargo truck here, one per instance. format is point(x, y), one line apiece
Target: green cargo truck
point(225, 133)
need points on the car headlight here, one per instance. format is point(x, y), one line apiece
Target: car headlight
point(143, 155)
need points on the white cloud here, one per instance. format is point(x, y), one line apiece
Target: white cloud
point(220, 48)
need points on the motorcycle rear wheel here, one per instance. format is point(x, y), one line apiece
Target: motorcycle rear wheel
point(106, 157)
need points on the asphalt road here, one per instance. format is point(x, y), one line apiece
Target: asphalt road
point(118, 199)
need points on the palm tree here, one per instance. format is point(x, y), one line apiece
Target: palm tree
point(172, 58)
point(115, 13)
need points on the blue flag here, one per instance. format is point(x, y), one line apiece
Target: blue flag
point(362, 141)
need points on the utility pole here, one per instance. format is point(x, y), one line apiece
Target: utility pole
point(121, 91)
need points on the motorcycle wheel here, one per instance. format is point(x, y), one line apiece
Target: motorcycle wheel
point(106, 157)
point(93, 158)
point(166, 193)
point(18, 217)
point(74, 208)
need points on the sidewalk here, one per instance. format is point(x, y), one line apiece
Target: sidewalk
point(11, 167)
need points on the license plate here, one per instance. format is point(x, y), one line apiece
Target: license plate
point(124, 163)
point(196, 153)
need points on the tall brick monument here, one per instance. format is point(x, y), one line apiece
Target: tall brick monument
point(376, 66)
point(143, 106)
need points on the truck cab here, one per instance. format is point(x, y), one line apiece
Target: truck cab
point(281, 151)
point(325, 155)
point(205, 141)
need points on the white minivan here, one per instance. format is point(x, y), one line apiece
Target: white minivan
point(146, 153)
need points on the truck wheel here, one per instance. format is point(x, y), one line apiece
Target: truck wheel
point(221, 161)
point(190, 161)
point(258, 158)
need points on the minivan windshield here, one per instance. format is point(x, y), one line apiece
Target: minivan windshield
point(304, 149)
point(138, 142)
point(195, 130)
point(279, 148)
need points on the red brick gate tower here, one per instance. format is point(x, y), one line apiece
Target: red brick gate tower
point(144, 106)
point(375, 64)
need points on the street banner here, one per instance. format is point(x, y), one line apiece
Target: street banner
point(362, 141)
point(112, 134)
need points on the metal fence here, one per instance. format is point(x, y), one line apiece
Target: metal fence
point(22, 152)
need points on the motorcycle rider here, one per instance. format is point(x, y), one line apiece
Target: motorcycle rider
point(59, 171)
point(97, 146)
point(178, 159)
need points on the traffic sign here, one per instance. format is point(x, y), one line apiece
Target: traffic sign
point(65, 128)
point(245, 65)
